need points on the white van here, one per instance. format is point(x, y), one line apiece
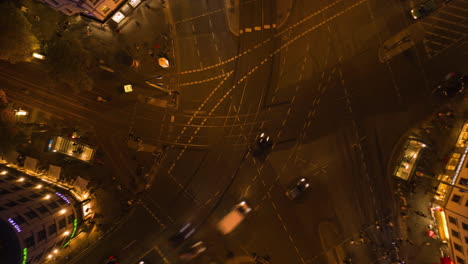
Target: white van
point(234, 218)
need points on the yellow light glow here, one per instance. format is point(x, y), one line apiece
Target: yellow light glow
point(55, 251)
point(38, 56)
point(63, 211)
point(49, 256)
point(20, 112)
point(66, 233)
point(86, 195)
point(47, 197)
point(444, 224)
point(21, 179)
point(38, 186)
point(4, 172)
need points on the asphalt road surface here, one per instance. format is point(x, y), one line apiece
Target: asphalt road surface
point(313, 84)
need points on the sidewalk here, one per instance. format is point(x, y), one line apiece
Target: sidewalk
point(440, 134)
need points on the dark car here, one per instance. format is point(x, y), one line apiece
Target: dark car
point(262, 145)
point(112, 260)
point(297, 189)
point(423, 9)
point(185, 232)
point(453, 84)
point(194, 251)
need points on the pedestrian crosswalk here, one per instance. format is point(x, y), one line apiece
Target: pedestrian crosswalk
point(445, 27)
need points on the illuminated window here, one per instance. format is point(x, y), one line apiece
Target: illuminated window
point(456, 198)
point(105, 9)
point(455, 233)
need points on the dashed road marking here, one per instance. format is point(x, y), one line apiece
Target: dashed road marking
point(282, 32)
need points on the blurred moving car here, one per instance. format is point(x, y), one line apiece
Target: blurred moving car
point(423, 9)
point(297, 189)
point(234, 218)
point(185, 232)
point(453, 84)
point(194, 251)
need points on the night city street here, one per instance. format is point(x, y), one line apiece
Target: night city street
point(300, 108)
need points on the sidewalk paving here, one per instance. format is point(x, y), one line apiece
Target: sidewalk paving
point(440, 133)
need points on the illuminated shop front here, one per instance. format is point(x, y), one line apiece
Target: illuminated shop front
point(453, 165)
point(409, 158)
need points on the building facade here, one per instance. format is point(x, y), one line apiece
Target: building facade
point(36, 219)
point(451, 212)
point(99, 10)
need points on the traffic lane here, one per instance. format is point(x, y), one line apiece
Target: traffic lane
point(188, 10)
point(58, 104)
point(122, 241)
point(203, 28)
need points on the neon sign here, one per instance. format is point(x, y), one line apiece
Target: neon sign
point(14, 224)
point(75, 226)
point(63, 197)
point(25, 255)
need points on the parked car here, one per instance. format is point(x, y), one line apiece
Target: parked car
point(453, 84)
point(423, 9)
point(234, 218)
point(297, 189)
point(194, 251)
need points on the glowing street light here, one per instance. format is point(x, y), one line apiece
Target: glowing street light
point(47, 197)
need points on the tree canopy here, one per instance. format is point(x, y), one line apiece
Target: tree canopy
point(17, 42)
point(69, 62)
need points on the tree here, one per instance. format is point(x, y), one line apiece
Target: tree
point(17, 42)
point(11, 134)
point(69, 62)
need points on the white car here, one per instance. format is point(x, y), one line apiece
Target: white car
point(234, 218)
